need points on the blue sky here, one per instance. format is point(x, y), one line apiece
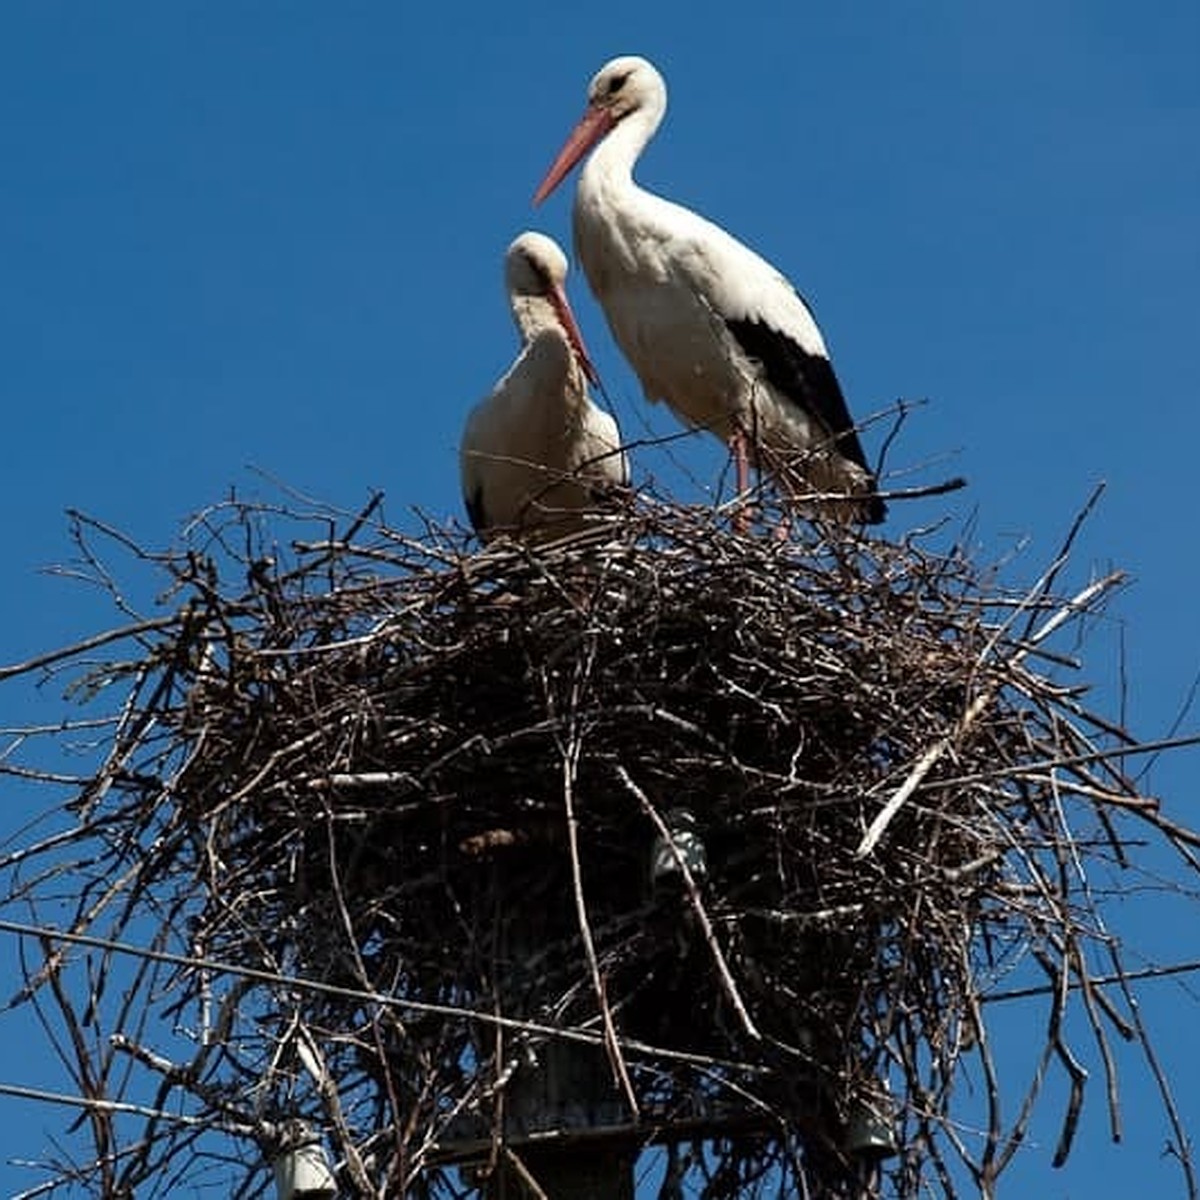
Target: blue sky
point(266, 238)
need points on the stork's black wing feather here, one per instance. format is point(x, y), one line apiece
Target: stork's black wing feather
point(806, 378)
point(474, 506)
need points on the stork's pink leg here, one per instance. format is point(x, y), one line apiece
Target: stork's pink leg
point(741, 460)
point(741, 470)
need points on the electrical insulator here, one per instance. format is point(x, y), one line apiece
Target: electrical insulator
point(870, 1131)
point(665, 871)
point(301, 1169)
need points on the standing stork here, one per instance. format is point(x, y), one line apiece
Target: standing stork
point(708, 325)
point(536, 452)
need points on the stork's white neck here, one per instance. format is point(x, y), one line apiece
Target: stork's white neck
point(611, 163)
point(532, 314)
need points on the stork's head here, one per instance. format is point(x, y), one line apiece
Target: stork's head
point(622, 87)
point(535, 272)
point(534, 265)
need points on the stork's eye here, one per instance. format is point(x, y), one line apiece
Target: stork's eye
point(538, 270)
point(616, 83)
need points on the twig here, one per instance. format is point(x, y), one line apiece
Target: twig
point(710, 937)
point(84, 646)
point(973, 711)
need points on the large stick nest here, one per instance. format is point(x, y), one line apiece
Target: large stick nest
point(751, 826)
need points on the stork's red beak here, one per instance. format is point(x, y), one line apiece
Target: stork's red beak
point(596, 122)
point(558, 298)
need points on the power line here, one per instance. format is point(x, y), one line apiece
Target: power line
point(1073, 985)
point(259, 975)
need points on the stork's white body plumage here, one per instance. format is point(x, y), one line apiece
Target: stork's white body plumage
point(536, 452)
point(709, 326)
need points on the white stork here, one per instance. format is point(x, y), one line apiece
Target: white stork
point(708, 325)
point(535, 453)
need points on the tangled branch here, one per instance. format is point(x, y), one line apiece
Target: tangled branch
point(382, 811)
